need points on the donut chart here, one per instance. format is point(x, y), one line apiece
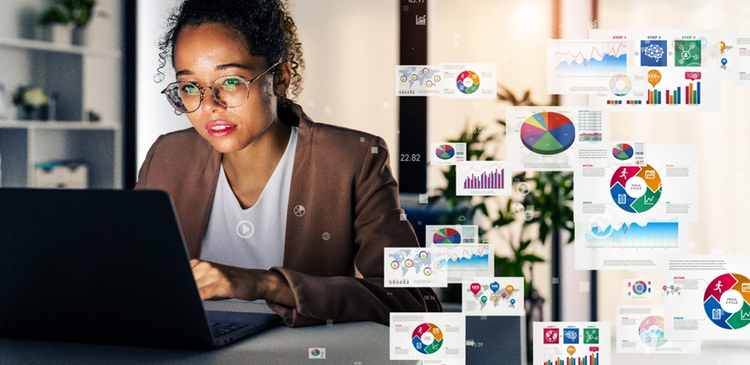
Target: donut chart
point(446, 235)
point(727, 301)
point(467, 82)
point(620, 85)
point(651, 331)
point(640, 287)
point(622, 151)
point(427, 332)
point(445, 152)
point(635, 189)
point(548, 133)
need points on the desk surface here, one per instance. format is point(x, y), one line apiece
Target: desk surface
point(347, 343)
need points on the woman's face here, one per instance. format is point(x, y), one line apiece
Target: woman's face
point(207, 52)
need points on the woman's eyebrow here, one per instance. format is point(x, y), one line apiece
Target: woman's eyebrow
point(232, 65)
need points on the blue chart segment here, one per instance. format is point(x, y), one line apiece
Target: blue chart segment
point(590, 59)
point(445, 152)
point(652, 235)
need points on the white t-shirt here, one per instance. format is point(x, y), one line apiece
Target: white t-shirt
point(251, 238)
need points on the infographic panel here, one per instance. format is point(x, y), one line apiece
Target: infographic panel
point(451, 234)
point(427, 336)
point(549, 138)
point(638, 289)
point(664, 189)
point(469, 80)
point(413, 267)
point(667, 70)
point(742, 65)
point(558, 343)
point(640, 329)
point(714, 297)
point(499, 296)
point(584, 66)
point(447, 153)
point(460, 262)
point(483, 178)
point(418, 80)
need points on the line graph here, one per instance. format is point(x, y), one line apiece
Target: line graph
point(590, 59)
point(465, 260)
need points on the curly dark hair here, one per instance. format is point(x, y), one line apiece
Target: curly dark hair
point(265, 27)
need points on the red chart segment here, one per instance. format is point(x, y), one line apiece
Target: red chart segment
point(547, 133)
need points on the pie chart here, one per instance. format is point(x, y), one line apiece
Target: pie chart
point(427, 338)
point(651, 331)
point(635, 189)
point(727, 301)
point(622, 151)
point(445, 152)
point(547, 133)
point(446, 235)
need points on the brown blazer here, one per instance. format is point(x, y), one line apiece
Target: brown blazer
point(343, 181)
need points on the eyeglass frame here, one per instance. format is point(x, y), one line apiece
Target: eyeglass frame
point(200, 89)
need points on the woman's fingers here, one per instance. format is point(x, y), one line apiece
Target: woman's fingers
point(211, 281)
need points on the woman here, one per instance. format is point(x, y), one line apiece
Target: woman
point(272, 205)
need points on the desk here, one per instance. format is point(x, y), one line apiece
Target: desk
point(346, 343)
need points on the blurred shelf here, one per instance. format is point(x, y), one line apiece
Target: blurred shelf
point(59, 47)
point(53, 125)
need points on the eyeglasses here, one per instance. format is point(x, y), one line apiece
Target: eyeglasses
point(229, 91)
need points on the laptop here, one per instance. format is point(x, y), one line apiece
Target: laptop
point(106, 267)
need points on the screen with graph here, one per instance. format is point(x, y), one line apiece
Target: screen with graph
point(584, 66)
point(565, 343)
point(640, 329)
point(483, 178)
point(629, 217)
point(552, 138)
point(714, 297)
point(667, 70)
point(464, 261)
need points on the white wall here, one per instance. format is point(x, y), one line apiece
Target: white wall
point(350, 47)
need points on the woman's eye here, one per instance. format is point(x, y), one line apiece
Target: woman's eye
point(230, 84)
point(190, 89)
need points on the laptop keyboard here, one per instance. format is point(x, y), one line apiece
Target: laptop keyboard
point(220, 329)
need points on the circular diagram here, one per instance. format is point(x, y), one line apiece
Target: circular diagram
point(727, 301)
point(651, 331)
point(639, 287)
point(445, 152)
point(548, 133)
point(427, 338)
point(622, 151)
point(467, 82)
point(620, 84)
point(635, 189)
point(446, 235)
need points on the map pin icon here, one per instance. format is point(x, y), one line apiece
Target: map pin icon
point(509, 289)
point(494, 286)
point(475, 288)
point(571, 350)
point(504, 295)
point(494, 298)
point(512, 301)
point(724, 61)
point(484, 299)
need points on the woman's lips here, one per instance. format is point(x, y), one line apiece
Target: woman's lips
point(220, 129)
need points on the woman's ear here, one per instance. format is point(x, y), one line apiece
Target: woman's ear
point(282, 78)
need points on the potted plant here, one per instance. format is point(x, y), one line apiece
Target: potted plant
point(75, 13)
point(56, 22)
point(30, 101)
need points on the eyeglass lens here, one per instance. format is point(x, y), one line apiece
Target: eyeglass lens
point(229, 91)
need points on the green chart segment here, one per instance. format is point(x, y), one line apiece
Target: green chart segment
point(548, 133)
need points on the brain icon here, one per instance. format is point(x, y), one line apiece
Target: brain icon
point(654, 51)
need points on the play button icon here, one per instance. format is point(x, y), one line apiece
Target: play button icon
point(245, 229)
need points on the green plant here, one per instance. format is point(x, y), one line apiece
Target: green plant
point(29, 99)
point(76, 12)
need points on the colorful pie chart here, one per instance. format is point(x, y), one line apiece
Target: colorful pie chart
point(445, 152)
point(727, 301)
point(622, 151)
point(427, 338)
point(548, 133)
point(446, 235)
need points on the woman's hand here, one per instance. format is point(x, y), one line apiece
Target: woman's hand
point(217, 281)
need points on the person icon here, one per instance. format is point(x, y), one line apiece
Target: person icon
point(718, 286)
point(624, 174)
